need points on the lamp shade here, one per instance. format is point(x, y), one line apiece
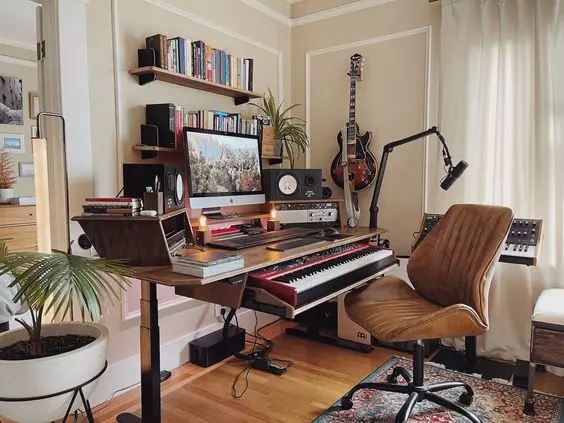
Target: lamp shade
point(41, 179)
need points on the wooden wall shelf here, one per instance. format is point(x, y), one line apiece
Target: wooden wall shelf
point(170, 150)
point(140, 147)
point(148, 74)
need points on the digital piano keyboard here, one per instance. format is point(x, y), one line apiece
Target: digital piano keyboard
point(301, 281)
point(522, 245)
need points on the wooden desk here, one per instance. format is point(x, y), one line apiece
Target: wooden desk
point(226, 289)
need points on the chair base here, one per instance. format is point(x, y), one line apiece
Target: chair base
point(417, 391)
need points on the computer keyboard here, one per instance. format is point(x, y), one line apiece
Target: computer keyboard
point(294, 243)
point(261, 239)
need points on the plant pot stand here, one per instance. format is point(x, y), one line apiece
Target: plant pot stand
point(77, 390)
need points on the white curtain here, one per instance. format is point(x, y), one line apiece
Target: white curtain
point(502, 110)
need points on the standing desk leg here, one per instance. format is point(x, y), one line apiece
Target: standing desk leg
point(150, 359)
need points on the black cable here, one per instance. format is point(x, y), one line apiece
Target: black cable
point(248, 369)
point(120, 191)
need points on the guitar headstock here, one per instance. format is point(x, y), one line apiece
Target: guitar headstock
point(356, 66)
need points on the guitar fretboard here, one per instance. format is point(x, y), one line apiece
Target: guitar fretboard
point(351, 128)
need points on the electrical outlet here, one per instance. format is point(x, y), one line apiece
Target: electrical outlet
point(217, 312)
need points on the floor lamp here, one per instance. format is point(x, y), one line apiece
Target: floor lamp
point(41, 176)
point(39, 146)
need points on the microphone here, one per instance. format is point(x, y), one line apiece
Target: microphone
point(453, 174)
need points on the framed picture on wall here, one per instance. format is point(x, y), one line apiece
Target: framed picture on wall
point(11, 104)
point(33, 105)
point(25, 169)
point(13, 143)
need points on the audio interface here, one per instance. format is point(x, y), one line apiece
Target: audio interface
point(289, 213)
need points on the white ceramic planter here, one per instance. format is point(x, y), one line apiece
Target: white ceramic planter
point(44, 376)
point(6, 194)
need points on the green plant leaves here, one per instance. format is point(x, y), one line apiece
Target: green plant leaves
point(50, 282)
point(291, 131)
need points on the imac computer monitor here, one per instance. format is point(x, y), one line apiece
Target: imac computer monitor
point(224, 168)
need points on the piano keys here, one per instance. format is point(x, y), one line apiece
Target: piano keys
point(522, 245)
point(308, 278)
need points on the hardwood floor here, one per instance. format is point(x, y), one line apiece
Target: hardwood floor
point(320, 374)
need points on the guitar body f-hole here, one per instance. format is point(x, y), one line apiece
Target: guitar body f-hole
point(362, 168)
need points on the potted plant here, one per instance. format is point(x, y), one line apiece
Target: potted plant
point(289, 131)
point(44, 359)
point(7, 176)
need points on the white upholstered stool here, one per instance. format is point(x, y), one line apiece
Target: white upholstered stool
point(547, 337)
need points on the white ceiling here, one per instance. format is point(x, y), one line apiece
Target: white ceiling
point(17, 23)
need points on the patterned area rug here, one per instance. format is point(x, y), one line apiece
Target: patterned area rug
point(494, 402)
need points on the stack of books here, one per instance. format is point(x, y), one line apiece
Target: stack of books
point(203, 264)
point(111, 206)
point(201, 60)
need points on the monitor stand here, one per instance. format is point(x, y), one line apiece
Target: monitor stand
point(214, 213)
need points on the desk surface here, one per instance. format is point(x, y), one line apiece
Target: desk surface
point(255, 258)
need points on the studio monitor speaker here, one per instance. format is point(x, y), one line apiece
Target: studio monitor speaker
point(168, 177)
point(291, 184)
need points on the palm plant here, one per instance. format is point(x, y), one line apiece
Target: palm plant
point(289, 130)
point(7, 170)
point(48, 283)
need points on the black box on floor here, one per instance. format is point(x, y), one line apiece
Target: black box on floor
point(213, 348)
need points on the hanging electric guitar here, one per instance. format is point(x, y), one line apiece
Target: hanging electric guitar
point(354, 167)
point(362, 166)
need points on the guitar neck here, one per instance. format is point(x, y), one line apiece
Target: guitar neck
point(351, 126)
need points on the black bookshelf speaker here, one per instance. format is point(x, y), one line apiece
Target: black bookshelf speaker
point(170, 177)
point(291, 184)
point(149, 136)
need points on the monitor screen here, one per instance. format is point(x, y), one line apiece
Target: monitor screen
point(224, 169)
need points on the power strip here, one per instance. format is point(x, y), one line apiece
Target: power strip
point(267, 366)
point(164, 375)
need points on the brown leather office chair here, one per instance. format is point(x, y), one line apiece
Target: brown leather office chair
point(451, 271)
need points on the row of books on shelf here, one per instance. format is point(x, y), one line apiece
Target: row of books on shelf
point(204, 264)
point(110, 206)
point(217, 120)
point(167, 116)
point(201, 60)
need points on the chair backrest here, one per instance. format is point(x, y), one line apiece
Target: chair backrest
point(455, 262)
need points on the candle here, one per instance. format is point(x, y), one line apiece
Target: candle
point(273, 224)
point(203, 234)
point(203, 222)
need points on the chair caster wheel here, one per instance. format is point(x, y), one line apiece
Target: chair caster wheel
point(346, 403)
point(392, 379)
point(466, 399)
point(529, 408)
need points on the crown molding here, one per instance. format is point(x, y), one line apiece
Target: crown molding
point(338, 11)
point(313, 17)
point(268, 11)
point(16, 43)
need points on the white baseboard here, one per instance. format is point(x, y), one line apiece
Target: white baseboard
point(125, 374)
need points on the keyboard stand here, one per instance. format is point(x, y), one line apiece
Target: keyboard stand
point(313, 333)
